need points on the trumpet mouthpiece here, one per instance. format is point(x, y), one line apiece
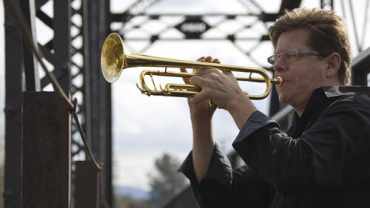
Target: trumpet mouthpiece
point(278, 80)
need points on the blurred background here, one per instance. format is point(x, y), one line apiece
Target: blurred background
point(141, 140)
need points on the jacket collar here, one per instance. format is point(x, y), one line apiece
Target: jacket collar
point(320, 99)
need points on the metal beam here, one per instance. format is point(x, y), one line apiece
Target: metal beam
point(13, 99)
point(97, 91)
point(62, 41)
point(30, 63)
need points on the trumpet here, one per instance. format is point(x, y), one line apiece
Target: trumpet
point(114, 60)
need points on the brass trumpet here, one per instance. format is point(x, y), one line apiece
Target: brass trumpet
point(114, 60)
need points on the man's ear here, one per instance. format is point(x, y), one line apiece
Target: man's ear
point(333, 64)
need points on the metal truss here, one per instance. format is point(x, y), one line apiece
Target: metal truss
point(357, 24)
point(137, 26)
point(60, 29)
point(208, 27)
point(23, 75)
point(72, 68)
point(85, 86)
point(355, 15)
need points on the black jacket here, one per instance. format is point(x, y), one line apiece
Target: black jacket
point(322, 161)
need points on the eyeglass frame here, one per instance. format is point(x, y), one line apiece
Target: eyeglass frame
point(292, 53)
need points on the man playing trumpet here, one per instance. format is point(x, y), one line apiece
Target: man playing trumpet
point(321, 161)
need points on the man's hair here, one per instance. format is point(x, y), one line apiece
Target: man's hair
point(327, 34)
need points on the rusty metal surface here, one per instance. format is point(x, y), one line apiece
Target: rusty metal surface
point(46, 151)
point(87, 185)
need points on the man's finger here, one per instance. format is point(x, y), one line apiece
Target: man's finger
point(199, 97)
point(186, 79)
point(198, 81)
point(229, 74)
point(208, 59)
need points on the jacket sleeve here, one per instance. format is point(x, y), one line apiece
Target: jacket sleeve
point(224, 187)
point(316, 158)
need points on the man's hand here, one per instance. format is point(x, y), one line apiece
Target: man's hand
point(223, 89)
point(201, 109)
point(201, 116)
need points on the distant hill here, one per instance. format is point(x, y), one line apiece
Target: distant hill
point(133, 192)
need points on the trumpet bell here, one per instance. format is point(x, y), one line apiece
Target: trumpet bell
point(112, 59)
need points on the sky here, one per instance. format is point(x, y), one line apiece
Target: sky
point(146, 127)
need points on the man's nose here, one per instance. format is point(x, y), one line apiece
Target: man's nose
point(279, 65)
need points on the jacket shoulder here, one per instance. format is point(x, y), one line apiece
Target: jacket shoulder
point(360, 102)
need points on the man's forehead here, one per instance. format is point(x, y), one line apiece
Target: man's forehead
point(293, 39)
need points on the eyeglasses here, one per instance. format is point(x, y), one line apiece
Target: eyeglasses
point(291, 55)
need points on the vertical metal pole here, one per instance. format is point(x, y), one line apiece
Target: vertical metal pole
point(30, 63)
point(62, 42)
point(13, 117)
point(98, 93)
